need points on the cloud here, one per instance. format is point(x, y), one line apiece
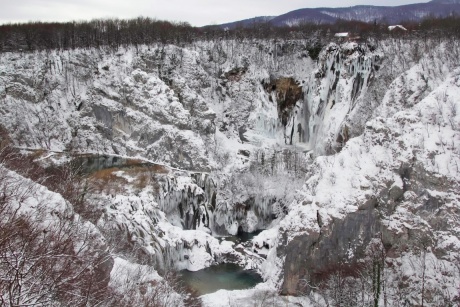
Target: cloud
point(197, 12)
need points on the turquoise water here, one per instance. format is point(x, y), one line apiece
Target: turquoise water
point(248, 236)
point(223, 276)
point(242, 237)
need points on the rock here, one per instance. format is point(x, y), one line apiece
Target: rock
point(369, 204)
point(395, 192)
point(245, 153)
point(308, 256)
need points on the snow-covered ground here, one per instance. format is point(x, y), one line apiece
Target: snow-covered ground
point(369, 150)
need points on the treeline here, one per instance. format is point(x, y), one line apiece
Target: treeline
point(120, 32)
point(95, 33)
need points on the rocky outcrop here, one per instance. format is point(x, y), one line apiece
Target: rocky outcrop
point(287, 93)
point(310, 257)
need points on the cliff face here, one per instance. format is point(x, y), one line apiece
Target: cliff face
point(164, 103)
point(396, 184)
point(92, 101)
point(356, 149)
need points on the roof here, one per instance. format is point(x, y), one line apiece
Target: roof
point(391, 28)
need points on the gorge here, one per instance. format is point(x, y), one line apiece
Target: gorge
point(345, 164)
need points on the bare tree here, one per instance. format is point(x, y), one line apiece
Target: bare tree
point(47, 255)
point(138, 287)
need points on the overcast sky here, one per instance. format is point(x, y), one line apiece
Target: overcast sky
point(196, 12)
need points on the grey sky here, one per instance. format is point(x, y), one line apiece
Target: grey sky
point(196, 12)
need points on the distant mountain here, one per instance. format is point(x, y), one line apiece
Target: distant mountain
point(446, 1)
point(366, 13)
point(248, 22)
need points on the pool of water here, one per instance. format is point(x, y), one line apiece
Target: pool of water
point(223, 276)
point(93, 163)
point(248, 236)
point(89, 163)
point(242, 237)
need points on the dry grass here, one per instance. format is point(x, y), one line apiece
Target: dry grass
point(110, 181)
point(105, 175)
point(133, 162)
point(107, 181)
point(145, 175)
point(36, 154)
point(159, 169)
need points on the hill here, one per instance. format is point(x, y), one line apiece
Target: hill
point(366, 13)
